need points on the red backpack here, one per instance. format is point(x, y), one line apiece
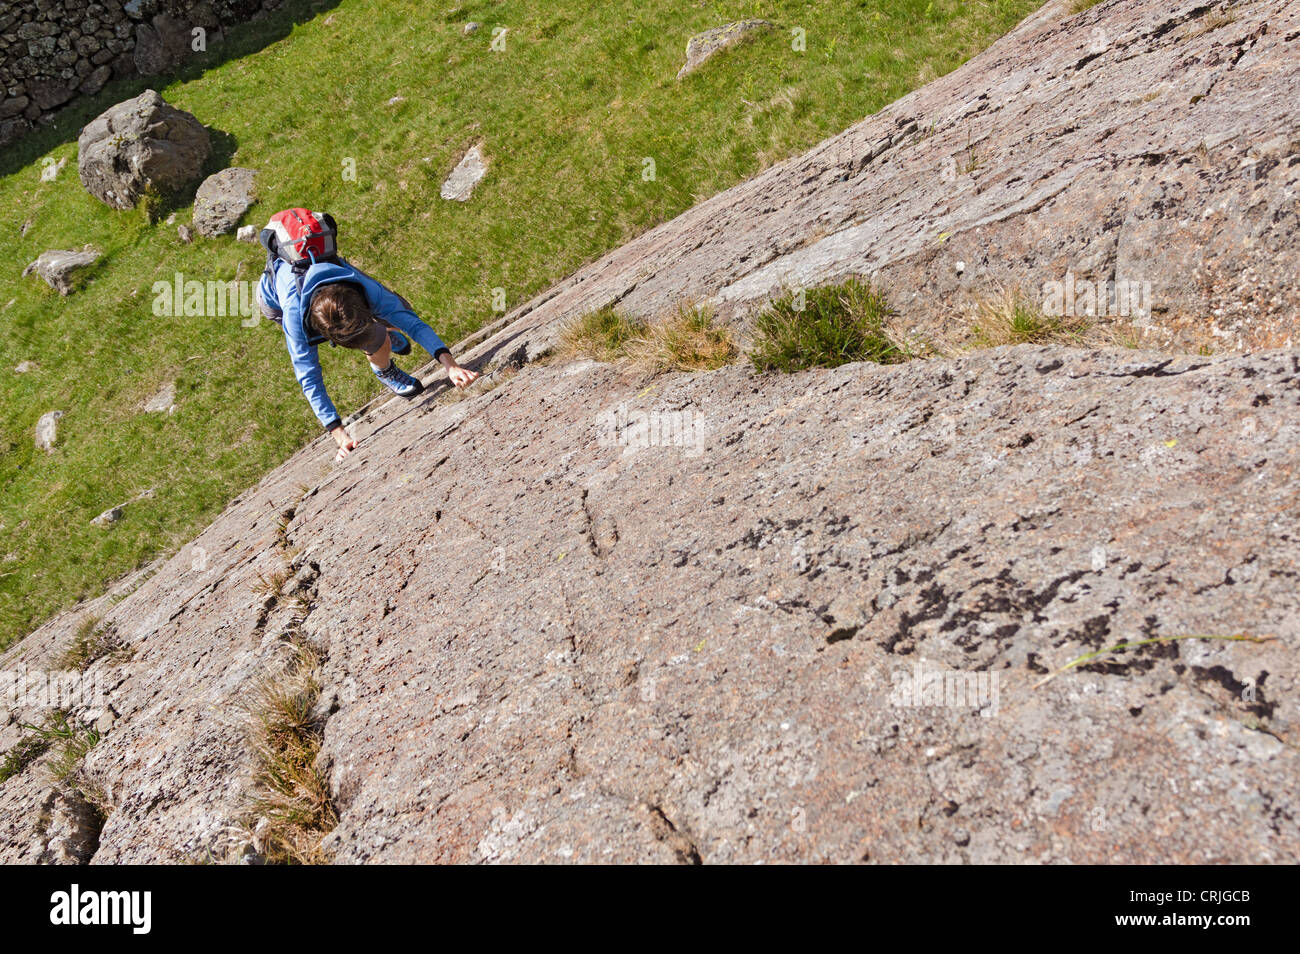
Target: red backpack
point(301, 237)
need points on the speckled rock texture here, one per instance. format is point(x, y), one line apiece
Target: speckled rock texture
point(591, 615)
point(56, 267)
point(703, 46)
point(138, 145)
point(222, 200)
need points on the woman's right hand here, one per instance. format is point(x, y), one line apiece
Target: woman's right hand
point(346, 444)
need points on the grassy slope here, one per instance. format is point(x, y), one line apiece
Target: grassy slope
point(568, 111)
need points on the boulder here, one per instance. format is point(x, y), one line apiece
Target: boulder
point(471, 169)
point(222, 200)
point(247, 233)
point(57, 265)
point(141, 144)
point(704, 45)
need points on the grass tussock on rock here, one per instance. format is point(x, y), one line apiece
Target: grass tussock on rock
point(688, 339)
point(91, 643)
point(292, 807)
point(1010, 317)
point(601, 335)
point(70, 741)
point(824, 328)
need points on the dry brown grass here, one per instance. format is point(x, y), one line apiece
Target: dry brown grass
point(689, 339)
point(93, 642)
point(601, 335)
point(1010, 317)
point(291, 806)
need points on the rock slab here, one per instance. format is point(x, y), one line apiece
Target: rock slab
point(617, 649)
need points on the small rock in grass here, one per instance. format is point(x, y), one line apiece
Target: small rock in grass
point(140, 146)
point(163, 402)
point(47, 431)
point(222, 200)
point(471, 169)
point(57, 265)
point(704, 45)
point(110, 516)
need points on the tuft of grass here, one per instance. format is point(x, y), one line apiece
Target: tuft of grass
point(91, 643)
point(291, 805)
point(602, 335)
point(24, 752)
point(270, 584)
point(73, 743)
point(824, 328)
point(690, 339)
point(1078, 6)
point(1010, 318)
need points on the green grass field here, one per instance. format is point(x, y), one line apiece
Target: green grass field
point(580, 96)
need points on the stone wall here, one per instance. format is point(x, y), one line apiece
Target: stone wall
point(53, 51)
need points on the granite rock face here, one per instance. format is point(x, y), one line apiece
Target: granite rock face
point(589, 615)
point(700, 621)
point(140, 144)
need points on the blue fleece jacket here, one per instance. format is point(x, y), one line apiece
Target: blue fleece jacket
point(279, 291)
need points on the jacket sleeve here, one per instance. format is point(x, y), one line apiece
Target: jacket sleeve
point(394, 310)
point(305, 359)
point(268, 297)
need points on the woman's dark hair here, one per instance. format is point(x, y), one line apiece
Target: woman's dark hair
point(340, 312)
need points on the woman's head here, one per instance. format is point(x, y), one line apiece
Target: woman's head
point(340, 312)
